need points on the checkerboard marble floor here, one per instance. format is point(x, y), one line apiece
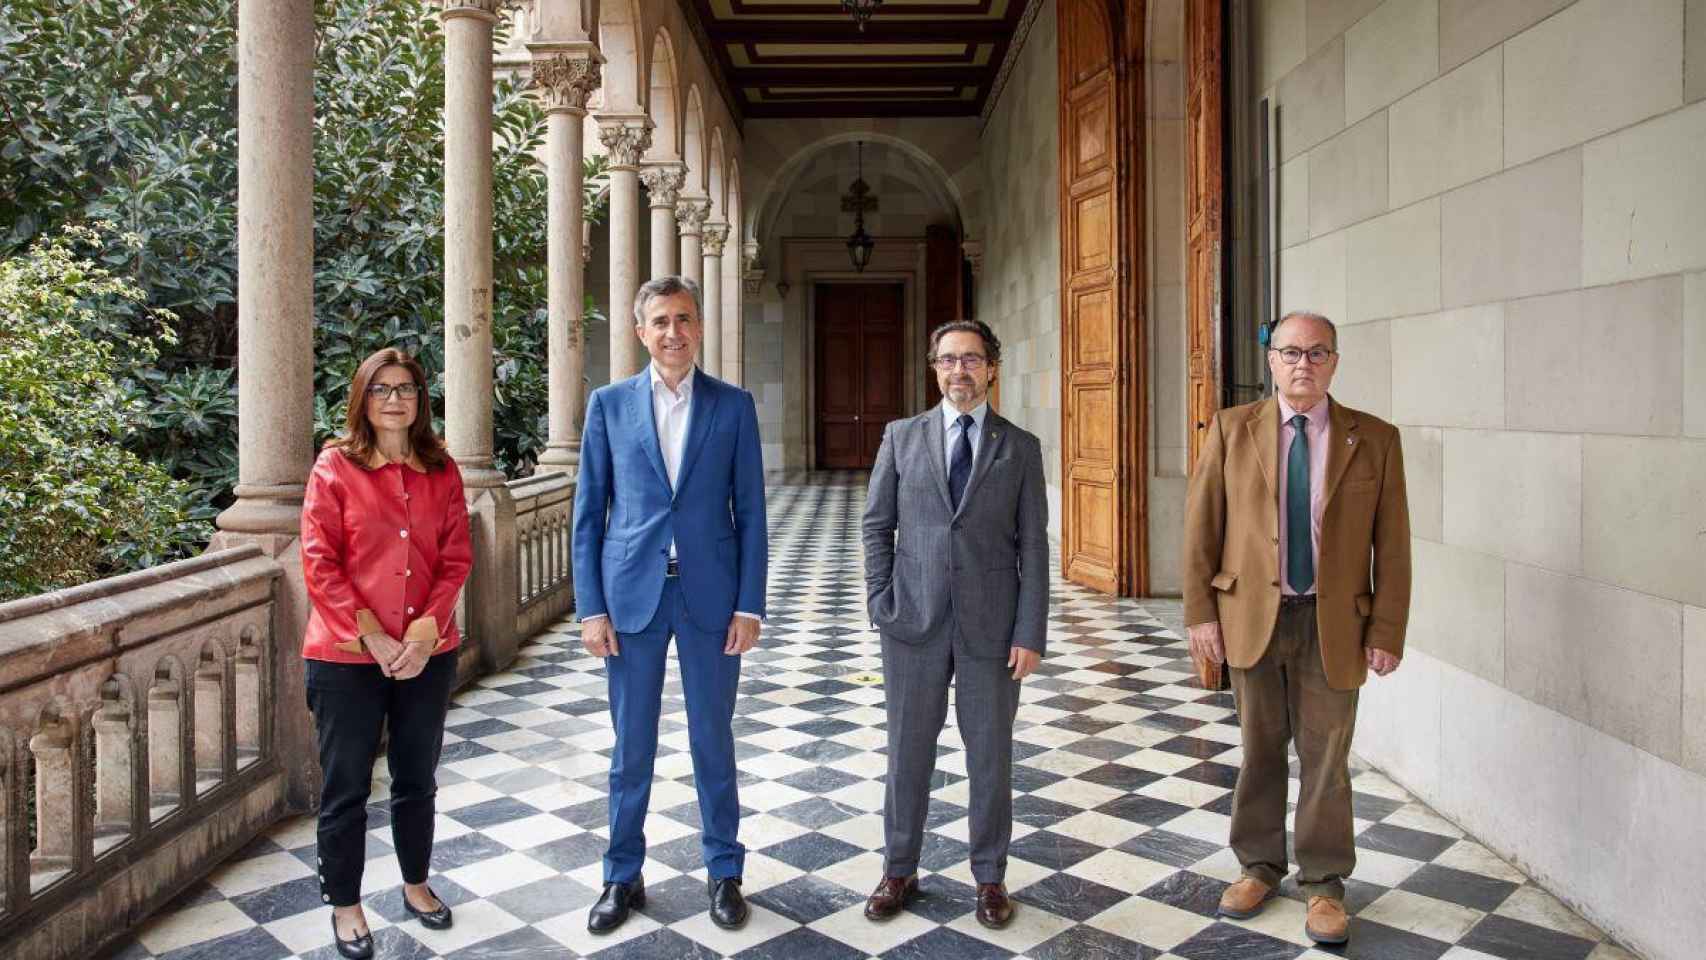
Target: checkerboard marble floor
point(1124, 770)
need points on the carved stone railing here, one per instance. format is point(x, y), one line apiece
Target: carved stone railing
point(136, 744)
point(544, 508)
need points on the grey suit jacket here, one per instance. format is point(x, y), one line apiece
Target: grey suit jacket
point(980, 575)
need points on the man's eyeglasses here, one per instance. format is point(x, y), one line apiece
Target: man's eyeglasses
point(971, 362)
point(1292, 355)
point(382, 391)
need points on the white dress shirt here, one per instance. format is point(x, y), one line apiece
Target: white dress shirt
point(951, 430)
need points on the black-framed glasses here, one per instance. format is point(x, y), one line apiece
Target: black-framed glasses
point(971, 362)
point(384, 391)
point(1293, 355)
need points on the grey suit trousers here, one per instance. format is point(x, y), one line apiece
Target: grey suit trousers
point(915, 682)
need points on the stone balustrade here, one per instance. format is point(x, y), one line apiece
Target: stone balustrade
point(544, 508)
point(136, 744)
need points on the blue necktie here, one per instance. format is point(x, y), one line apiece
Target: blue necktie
point(1299, 552)
point(959, 471)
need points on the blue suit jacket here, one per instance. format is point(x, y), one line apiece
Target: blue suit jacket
point(626, 513)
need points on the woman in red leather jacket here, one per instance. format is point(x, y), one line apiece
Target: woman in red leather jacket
point(385, 549)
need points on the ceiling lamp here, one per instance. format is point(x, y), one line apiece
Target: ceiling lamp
point(861, 10)
point(860, 243)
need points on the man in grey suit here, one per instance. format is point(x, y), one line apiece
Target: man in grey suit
point(956, 575)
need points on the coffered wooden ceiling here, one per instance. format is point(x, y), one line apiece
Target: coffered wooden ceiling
point(806, 58)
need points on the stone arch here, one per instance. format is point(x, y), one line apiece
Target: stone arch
point(693, 142)
point(714, 175)
point(768, 208)
point(666, 115)
point(624, 85)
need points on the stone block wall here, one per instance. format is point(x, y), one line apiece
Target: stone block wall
point(1018, 290)
point(1504, 206)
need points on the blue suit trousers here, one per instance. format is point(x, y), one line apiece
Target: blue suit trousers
point(709, 679)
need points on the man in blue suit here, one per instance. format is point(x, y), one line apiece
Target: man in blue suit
point(670, 540)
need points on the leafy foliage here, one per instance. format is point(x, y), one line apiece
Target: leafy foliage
point(124, 111)
point(74, 503)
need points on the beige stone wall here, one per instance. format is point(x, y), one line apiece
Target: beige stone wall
point(1504, 204)
point(1018, 290)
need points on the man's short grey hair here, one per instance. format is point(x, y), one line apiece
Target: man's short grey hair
point(667, 287)
point(1305, 315)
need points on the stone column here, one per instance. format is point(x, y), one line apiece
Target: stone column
point(690, 213)
point(714, 235)
point(275, 337)
point(663, 183)
point(490, 597)
point(567, 77)
point(625, 138)
point(468, 238)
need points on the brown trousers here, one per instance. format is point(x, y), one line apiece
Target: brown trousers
point(1286, 697)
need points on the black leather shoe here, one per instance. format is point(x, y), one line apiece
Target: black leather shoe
point(361, 948)
point(613, 907)
point(431, 919)
point(728, 907)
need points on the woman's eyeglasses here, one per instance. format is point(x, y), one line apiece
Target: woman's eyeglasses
point(383, 391)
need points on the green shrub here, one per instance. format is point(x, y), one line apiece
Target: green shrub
point(75, 504)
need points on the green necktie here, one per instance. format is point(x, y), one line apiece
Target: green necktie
point(1299, 555)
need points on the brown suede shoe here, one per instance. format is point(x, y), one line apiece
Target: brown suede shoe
point(994, 910)
point(891, 897)
point(1244, 899)
point(1327, 922)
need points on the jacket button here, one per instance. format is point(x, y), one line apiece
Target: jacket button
point(403, 533)
point(1273, 583)
point(956, 524)
point(411, 610)
point(408, 573)
point(1276, 540)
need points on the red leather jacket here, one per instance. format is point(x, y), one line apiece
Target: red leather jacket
point(390, 544)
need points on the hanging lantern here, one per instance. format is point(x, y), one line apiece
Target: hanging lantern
point(861, 10)
point(860, 243)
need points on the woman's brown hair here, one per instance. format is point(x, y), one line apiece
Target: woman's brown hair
point(359, 439)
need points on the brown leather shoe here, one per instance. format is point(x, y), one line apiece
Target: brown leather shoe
point(1327, 922)
point(891, 897)
point(1244, 899)
point(994, 910)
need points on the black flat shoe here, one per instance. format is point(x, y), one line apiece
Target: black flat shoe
point(361, 948)
point(614, 905)
point(728, 907)
point(431, 919)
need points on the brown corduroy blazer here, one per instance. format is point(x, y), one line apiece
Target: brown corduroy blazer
point(1231, 562)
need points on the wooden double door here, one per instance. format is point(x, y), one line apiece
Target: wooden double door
point(860, 341)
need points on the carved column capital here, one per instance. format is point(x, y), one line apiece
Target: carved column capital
point(713, 236)
point(483, 9)
point(625, 139)
point(691, 214)
point(567, 79)
point(663, 181)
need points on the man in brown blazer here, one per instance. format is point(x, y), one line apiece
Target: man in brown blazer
point(1297, 575)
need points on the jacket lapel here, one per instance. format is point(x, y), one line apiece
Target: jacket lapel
point(1264, 433)
point(1342, 444)
point(644, 421)
point(994, 434)
point(931, 426)
point(701, 413)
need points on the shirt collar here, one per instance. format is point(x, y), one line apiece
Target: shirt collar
point(950, 414)
point(684, 392)
point(1316, 417)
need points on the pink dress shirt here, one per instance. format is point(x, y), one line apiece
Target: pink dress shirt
point(1318, 428)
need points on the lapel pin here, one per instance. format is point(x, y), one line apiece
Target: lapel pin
point(1350, 440)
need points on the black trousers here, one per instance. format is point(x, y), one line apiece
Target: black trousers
point(352, 704)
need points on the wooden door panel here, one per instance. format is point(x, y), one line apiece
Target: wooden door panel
point(1094, 331)
point(1204, 186)
point(858, 362)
